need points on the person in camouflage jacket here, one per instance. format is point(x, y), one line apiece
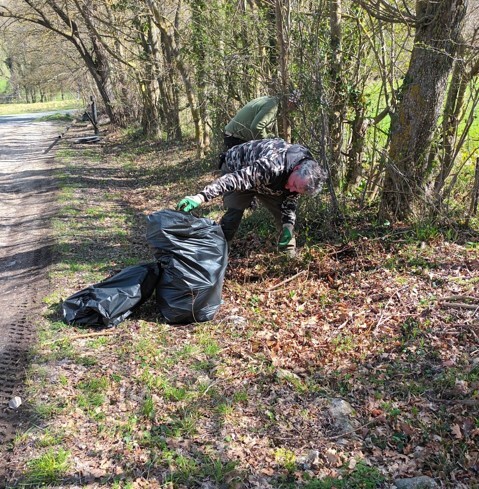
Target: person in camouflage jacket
point(274, 171)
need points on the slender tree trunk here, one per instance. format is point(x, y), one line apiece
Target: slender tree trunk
point(104, 81)
point(94, 58)
point(148, 83)
point(475, 191)
point(175, 55)
point(449, 145)
point(337, 99)
point(356, 147)
point(283, 26)
point(199, 36)
point(168, 84)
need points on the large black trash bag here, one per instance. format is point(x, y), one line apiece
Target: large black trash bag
point(193, 254)
point(113, 300)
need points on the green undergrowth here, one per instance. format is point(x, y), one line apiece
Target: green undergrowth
point(59, 117)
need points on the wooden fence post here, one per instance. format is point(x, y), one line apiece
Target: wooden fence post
point(94, 115)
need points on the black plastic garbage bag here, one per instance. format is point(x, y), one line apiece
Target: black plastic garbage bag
point(113, 300)
point(193, 254)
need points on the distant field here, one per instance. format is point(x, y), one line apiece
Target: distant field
point(3, 84)
point(7, 109)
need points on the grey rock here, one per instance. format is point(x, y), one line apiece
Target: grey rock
point(342, 416)
point(203, 379)
point(421, 482)
point(208, 485)
point(309, 459)
point(340, 407)
point(15, 403)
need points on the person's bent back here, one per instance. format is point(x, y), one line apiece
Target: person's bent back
point(274, 171)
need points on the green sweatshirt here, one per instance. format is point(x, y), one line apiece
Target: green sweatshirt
point(254, 119)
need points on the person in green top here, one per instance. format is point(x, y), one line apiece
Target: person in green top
point(256, 120)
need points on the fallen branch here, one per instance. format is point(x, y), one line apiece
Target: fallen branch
point(380, 320)
point(208, 388)
point(352, 431)
point(453, 301)
point(466, 402)
point(286, 281)
point(459, 298)
point(79, 336)
point(460, 305)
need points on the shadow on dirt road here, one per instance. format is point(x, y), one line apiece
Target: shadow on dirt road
point(27, 203)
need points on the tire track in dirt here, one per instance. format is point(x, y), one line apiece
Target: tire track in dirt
point(27, 204)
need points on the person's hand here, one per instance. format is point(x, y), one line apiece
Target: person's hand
point(286, 235)
point(190, 202)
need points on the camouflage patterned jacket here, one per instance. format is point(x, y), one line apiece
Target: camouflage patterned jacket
point(262, 166)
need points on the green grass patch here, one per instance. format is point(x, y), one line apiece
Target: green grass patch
point(187, 470)
point(148, 408)
point(47, 410)
point(9, 109)
point(56, 118)
point(361, 477)
point(50, 439)
point(92, 393)
point(48, 468)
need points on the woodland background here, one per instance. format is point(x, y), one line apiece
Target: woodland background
point(389, 89)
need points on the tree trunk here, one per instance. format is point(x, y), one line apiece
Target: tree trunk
point(149, 89)
point(438, 30)
point(356, 147)
point(168, 84)
point(283, 21)
point(475, 191)
point(94, 57)
point(450, 143)
point(337, 99)
point(99, 67)
point(175, 55)
point(199, 35)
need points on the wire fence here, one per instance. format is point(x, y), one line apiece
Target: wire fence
point(18, 97)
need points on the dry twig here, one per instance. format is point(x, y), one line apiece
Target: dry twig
point(79, 336)
point(453, 302)
point(352, 431)
point(460, 305)
point(466, 402)
point(459, 298)
point(274, 287)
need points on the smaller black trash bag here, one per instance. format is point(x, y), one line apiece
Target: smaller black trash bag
point(113, 300)
point(193, 255)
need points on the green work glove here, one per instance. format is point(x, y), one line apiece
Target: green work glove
point(286, 235)
point(190, 202)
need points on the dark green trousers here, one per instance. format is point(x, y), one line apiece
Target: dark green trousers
point(236, 203)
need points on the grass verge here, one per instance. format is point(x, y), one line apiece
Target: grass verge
point(9, 109)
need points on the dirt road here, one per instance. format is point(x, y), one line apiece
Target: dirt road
point(27, 203)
